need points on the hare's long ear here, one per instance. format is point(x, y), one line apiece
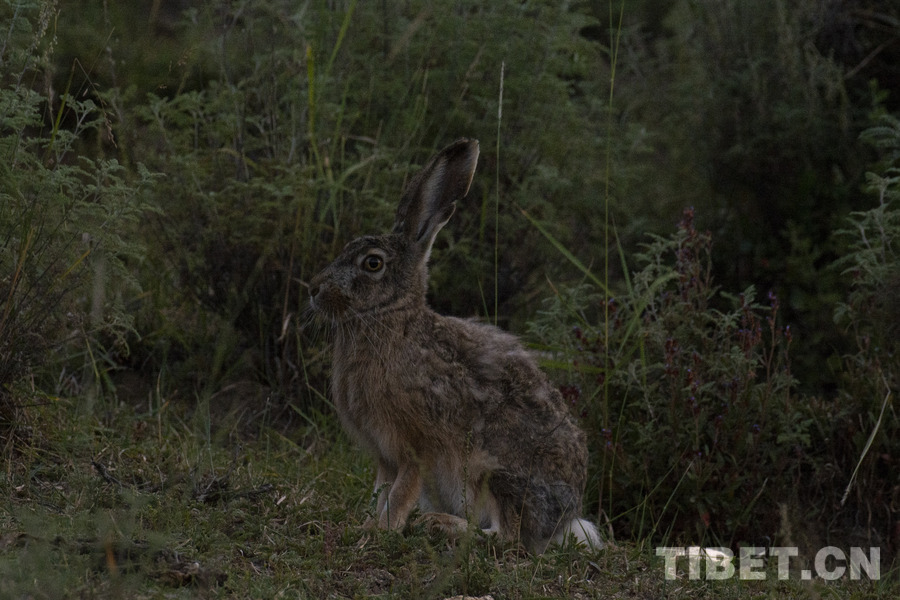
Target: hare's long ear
point(430, 198)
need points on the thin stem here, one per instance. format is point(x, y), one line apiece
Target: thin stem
point(497, 203)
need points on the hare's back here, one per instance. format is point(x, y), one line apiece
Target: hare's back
point(527, 411)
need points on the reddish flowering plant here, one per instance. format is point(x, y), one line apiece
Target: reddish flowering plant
point(686, 392)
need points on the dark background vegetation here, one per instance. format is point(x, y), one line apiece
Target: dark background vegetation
point(690, 206)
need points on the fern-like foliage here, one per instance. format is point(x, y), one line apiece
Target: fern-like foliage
point(67, 223)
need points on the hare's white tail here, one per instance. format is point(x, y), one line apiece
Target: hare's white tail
point(585, 533)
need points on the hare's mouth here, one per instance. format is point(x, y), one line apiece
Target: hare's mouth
point(326, 309)
point(327, 303)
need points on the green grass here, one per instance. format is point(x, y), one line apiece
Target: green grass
point(143, 505)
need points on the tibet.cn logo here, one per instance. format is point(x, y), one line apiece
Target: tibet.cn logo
point(719, 563)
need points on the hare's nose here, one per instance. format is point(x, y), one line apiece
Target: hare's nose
point(313, 291)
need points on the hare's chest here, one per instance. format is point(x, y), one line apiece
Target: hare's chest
point(371, 411)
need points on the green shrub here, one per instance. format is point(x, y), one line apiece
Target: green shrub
point(252, 203)
point(67, 224)
point(699, 431)
point(293, 130)
point(860, 427)
point(751, 116)
point(687, 394)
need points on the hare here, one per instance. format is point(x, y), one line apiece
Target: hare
point(459, 417)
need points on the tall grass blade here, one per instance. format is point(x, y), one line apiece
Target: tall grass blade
point(497, 203)
point(345, 25)
point(566, 252)
point(862, 457)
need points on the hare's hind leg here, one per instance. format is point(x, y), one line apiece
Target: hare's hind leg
point(488, 512)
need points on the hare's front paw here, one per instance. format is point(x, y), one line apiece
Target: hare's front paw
point(451, 525)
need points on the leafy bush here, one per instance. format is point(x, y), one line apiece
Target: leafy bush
point(860, 428)
point(695, 425)
point(700, 432)
point(752, 110)
point(66, 228)
point(285, 139)
point(286, 129)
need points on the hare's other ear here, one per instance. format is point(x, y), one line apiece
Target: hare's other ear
point(431, 196)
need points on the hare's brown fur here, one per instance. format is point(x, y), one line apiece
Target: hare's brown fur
point(459, 417)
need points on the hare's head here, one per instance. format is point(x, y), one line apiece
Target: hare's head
point(377, 274)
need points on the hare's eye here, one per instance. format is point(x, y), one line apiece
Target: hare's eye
point(373, 263)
